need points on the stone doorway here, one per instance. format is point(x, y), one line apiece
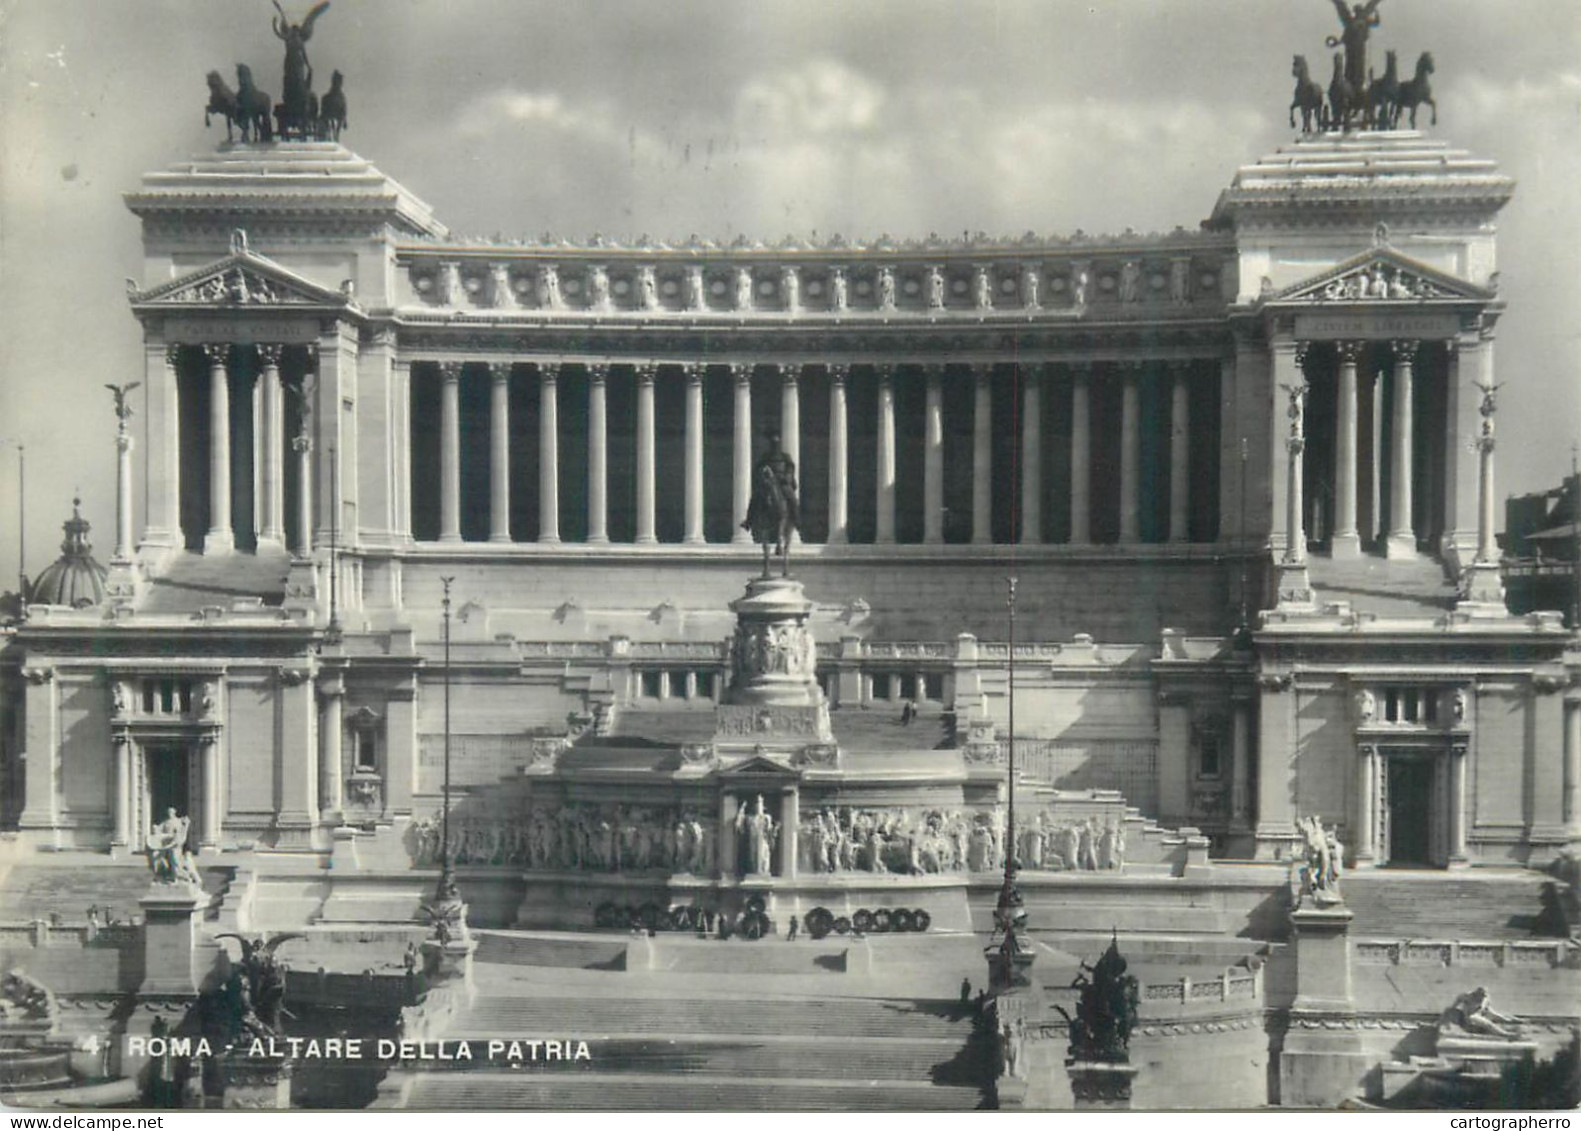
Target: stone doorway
point(1410, 812)
point(171, 783)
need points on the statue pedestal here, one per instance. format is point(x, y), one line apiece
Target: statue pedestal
point(1101, 1086)
point(773, 700)
point(257, 1083)
point(1482, 597)
point(170, 927)
point(1322, 1063)
point(450, 963)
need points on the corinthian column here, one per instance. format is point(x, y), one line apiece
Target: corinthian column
point(790, 412)
point(272, 524)
point(1031, 454)
point(886, 454)
point(597, 455)
point(549, 452)
point(1179, 452)
point(1347, 540)
point(500, 452)
point(838, 470)
point(694, 454)
point(220, 537)
point(1080, 457)
point(645, 465)
point(1130, 453)
point(933, 459)
point(1402, 535)
point(741, 462)
point(982, 453)
point(450, 451)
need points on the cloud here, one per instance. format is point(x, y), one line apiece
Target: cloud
point(820, 98)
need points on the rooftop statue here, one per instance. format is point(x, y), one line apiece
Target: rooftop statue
point(298, 110)
point(773, 514)
point(1355, 23)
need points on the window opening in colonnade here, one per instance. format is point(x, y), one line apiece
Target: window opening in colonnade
point(474, 406)
point(958, 439)
point(862, 454)
point(193, 391)
point(522, 437)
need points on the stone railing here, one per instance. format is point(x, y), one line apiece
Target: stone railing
point(40, 933)
point(1246, 986)
point(367, 990)
point(1454, 952)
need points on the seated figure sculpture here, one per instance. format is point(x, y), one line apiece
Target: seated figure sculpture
point(1472, 1015)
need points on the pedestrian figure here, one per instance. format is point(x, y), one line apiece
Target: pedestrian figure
point(907, 712)
point(794, 927)
point(966, 991)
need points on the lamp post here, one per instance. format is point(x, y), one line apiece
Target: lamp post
point(445, 910)
point(1010, 914)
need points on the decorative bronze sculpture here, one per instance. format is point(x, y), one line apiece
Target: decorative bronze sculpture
point(252, 107)
point(256, 990)
point(773, 514)
point(1106, 1010)
point(298, 110)
point(332, 113)
point(1417, 89)
point(1308, 98)
point(1355, 25)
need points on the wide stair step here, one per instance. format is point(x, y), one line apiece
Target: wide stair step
point(1432, 905)
point(567, 1090)
point(593, 1016)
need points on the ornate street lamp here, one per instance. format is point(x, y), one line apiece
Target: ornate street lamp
point(1010, 915)
point(445, 910)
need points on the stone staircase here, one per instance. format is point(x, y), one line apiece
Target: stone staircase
point(1496, 904)
point(682, 1047)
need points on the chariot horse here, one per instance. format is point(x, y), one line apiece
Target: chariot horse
point(252, 107)
point(1344, 100)
point(1383, 95)
point(1308, 97)
point(1418, 89)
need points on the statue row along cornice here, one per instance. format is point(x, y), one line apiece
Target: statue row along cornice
point(883, 244)
point(906, 287)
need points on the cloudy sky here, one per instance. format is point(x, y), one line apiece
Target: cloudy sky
point(766, 117)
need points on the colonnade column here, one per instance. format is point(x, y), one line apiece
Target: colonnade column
point(122, 834)
point(1295, 444)
point(549, 452)
point(123, 491)
point(741, 465)
point(646, 373)
point(220, 538)
point(332, 689)
point(1363, 847)
point(1031, 453)
point(694, 455)
point(838, 463)
point(982, 453)
point(1572, 766)
point(1375, 527)
point(303, 446)
point(450, 451)
point(886, 454)
point(1457, 804)
point(1402, 535)
point(1346, 541)
point(597, 455)
point(271, 526)
point(213, 799)
point(790, 422)
point(1179, 452)
point(933, 458)
point(1130, 453)
point(161, 386)
point(500, 451)
point(1080, 457)
point(1241, 765)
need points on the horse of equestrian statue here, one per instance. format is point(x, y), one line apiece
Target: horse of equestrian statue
point(252, 107)
point(1344, 100)
point(773, 514)
point(1383, 96)
point(332, 109)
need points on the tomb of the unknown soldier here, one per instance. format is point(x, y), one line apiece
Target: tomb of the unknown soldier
point(829, 673)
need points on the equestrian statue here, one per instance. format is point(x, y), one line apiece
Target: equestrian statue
point(773, 514)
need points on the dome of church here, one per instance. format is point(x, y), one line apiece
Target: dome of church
point(74, 579)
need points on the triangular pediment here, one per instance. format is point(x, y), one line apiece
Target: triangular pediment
point(242, 278)
point(1381, 275)
point(760, 766)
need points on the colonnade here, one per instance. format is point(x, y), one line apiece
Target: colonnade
point(1034, 472)
point(227, 371)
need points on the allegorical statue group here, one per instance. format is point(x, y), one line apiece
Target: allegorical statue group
point(300, 113)
point(1357, 96)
